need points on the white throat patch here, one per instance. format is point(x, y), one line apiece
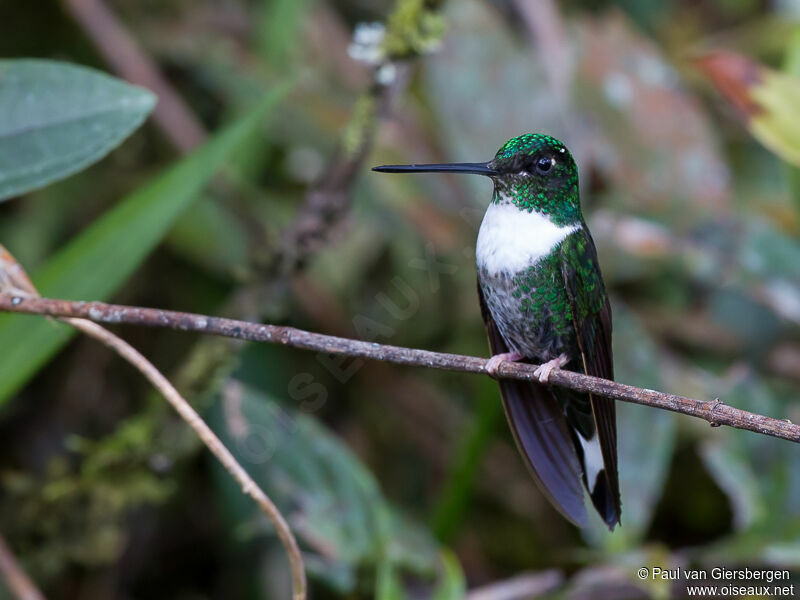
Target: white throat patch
point(512, 240)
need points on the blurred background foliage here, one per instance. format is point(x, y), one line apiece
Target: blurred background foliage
point(404, 483)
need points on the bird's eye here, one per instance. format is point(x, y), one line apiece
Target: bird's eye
point(544, 164)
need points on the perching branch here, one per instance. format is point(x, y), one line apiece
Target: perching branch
point(714, 411)
point(19, 585)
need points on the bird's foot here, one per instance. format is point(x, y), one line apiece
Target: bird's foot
point(543, 372)
point(498, 359)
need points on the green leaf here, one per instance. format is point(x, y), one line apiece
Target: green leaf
point(759, 475)
point(387, 583)
point(733, 473)
point(100, 260)
point(452, 585)
point(791, 66)
point(57, 118)
point(635, 112)
point(777, 546)
point(767, 100)
point(331, 500)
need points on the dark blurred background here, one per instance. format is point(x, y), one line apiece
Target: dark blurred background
point(403, 482)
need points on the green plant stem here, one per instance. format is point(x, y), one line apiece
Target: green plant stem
point(460, 481)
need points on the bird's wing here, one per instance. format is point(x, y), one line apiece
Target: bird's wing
point(541, 433)
point(591, 315)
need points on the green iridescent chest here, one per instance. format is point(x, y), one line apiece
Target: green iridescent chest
point(532, 308)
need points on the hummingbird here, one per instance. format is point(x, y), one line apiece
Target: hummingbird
point(543, 301)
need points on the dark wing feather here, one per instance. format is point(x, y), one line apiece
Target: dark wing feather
point(541, 433)
point(592, 320)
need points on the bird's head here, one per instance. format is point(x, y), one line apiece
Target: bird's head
point(532, 171)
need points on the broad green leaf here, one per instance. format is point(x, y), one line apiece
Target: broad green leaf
point(760, 475)
point(643, 120)
point(57, 118)
point(330, 499)
point(791, 61)
point(96, 264)
point(646, 123)
point(778, 547)
point(778, 127)
point(791, 66)
point(735, 477)
point(767, 100)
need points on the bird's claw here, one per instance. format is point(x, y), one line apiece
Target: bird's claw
point(494, 363)
point(543, 371)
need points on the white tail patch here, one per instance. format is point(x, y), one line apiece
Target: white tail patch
point(511, 239)
point(592, 459)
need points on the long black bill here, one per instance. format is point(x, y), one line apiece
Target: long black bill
point(476, 168)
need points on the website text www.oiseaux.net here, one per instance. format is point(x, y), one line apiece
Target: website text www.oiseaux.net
point(724, 582)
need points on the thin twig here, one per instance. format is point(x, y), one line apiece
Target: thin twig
point(328, 201)
point(521, 587)
point(126, 57)
point(714, 412)
point(209, 438)
point(14, 282)
point(326, 204)
point(546, 28)
point(17, 581)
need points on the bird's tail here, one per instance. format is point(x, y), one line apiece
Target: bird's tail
point(544, 439)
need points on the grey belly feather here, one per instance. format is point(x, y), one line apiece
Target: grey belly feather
point(527, 332)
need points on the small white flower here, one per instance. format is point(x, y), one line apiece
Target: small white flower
point(386, 74)
point(367, 43)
